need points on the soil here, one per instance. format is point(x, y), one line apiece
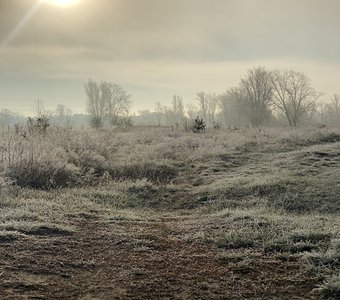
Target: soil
point(120, 259)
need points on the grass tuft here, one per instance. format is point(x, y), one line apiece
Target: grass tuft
point(330, 289)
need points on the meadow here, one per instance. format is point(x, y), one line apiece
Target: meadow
point(156, 212)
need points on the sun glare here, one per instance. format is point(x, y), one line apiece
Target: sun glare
point(63, 2)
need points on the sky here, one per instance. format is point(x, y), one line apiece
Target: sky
point(157, 48)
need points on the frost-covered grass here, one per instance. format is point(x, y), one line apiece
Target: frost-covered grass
point(270, 191)
point(66, 157)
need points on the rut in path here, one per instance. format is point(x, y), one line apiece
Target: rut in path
point(119, 259)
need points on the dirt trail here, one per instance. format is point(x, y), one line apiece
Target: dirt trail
point(120, 259)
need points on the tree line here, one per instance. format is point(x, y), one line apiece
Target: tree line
point(263, 97)
point(262, 93)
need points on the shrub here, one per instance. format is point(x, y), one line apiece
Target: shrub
point(122, 121)
point(43, 174)
point(38, 125)
point(198, 126)
point(96, 122)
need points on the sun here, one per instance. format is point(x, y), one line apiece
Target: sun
point(63, 2)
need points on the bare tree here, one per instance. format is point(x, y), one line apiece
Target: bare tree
point(335, 109)
point(168, 115)
point(257, 94)
point(159, 110)
point(323, 112)
point(63, 115)
point(175, 113)
point(60, 111)
point(97, 103)
point(42, 119)
point(293, 95)
point(329, 113)
point(212, 105)
point(178, 108)
point(192, 111)
point(201, 98)
point(230, 105)
point(68, 116)
point(118, 100)
point(208, 104)
point(106, 99)
point(39, 108)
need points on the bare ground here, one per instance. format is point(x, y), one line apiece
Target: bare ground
point(122, 259)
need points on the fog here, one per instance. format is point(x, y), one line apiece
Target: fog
point(155, 49)
point(169, 149)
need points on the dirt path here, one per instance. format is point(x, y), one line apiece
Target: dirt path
point(120, 259)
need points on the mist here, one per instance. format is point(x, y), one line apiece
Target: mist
point(156, 149)
point(158, 49)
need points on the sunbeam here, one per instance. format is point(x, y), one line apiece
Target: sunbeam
point(21, 23)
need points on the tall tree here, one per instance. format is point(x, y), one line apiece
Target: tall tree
point(97, 103)
point(177, 108)
point(202, 100)
point(106, 99)
point(335, 109)
point(192, 111)
point(159, 110)
point(212, 104)
point(257, 94)
point(231, 108)
point(119, 101)
point(293, 95)
point(63, 115)
point(208, 104)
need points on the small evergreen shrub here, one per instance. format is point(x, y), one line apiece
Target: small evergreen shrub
point(198, 126)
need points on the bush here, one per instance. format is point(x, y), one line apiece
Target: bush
point(198, 126)
point(96, 122)
point(43, 174)
point(38, 125)
point(122, 121)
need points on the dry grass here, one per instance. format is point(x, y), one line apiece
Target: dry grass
point(254, 197)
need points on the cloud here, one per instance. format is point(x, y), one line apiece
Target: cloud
point(159, 47)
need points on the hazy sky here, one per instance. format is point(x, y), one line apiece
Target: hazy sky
point(157, 48)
